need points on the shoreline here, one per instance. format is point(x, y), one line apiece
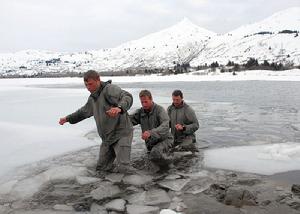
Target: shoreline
point(250, 75)
point(28, 190)
point(287, 177)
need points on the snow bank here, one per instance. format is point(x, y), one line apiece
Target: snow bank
point(23, 144)
point(288, 75)
point(29, 186)
point(261, 159)
point(167, 211)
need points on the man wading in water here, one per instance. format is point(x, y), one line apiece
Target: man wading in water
point(154, 122)
point(108, 104)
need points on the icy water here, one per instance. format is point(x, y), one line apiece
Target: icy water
point(238, 113)
point(230, 114)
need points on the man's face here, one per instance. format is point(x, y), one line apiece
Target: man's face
point(177, 100)
point(146, 102)
point(92, 85)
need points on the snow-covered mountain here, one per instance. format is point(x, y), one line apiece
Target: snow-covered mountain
point(31, 62)
point(161, 49)
point(274, 39)
point(157, 50)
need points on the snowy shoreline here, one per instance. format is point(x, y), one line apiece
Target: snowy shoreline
point(197, 76)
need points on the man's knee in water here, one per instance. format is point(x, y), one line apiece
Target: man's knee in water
point(155, 155)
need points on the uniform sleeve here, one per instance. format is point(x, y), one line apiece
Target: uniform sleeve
point(84, 112)
point(194, 124)
point(162, 130)
point(135, 118)
point(118, 97)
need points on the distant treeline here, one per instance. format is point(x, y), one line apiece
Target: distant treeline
point(231, 66)
point(253, 64)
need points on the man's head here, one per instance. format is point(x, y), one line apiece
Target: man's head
point(91, 80)
point(146, 100)
point(177, 98)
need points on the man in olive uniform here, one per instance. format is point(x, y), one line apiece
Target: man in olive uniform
point(154, 122)
point(183, 122)
point(108, 104)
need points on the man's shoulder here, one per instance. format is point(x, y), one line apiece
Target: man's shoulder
point(111, 90)
point(188, 107)
point(170, 107)
point(159, 109)
point(138, 111)
point(109, 86)
point(157, 106)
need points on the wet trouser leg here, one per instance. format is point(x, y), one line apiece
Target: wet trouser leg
point(120, 151)
point(106, 157)
point(160, 153)
point(185, 144)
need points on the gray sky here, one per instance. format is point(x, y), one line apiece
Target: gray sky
point(78, 25)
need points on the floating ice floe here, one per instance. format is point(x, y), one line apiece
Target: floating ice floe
point(262, 159)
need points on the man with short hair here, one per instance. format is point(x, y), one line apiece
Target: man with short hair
point(183, 122)
point(154, 122)
point(108, 104)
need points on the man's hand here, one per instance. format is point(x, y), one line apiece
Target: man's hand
point(113, 112)
point(179, 127)
point(62, 120)
point(146, 135)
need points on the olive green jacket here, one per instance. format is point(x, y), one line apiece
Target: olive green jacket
point(156, 122)
point(110, 129)
point(185, 116)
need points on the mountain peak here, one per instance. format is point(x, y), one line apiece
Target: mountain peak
point(185, 21)
point(289, 12)
point(187, 25)
point(288, 19)
point(182, 32)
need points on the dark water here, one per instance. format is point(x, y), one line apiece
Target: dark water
point(233, 113)
point(238, 113)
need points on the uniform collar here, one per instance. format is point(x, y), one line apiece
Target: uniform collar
point(144, 113)
point(181, 106)
point(97, 93)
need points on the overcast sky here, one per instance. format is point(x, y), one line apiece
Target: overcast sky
point(78, 25)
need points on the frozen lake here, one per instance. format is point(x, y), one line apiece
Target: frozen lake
point(231, 114)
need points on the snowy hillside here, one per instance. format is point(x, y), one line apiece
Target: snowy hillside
point(157, 50)
point(275, 39)
point(160, 49)
point(288, 19)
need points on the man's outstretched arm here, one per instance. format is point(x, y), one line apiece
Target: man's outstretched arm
point(79, 115)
